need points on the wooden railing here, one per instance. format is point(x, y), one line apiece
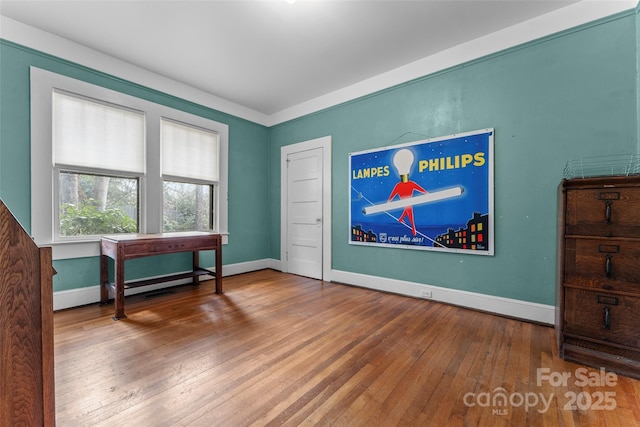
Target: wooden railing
point(26, 332)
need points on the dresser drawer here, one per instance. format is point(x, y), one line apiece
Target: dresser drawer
point(609, 212)
point(609, 264)
point(606, 317)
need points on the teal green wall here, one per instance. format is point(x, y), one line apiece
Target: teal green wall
point(563, 97)
point(248, 148)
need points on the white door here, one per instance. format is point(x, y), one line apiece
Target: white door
point(304, 213)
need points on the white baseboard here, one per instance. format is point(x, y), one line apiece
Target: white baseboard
point(540, 313)
point(525, 310)
point(91, 294)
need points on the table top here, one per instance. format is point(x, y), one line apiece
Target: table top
point(172, 235)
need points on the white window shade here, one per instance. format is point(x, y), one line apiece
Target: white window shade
point(189, 152)
point(96, 135)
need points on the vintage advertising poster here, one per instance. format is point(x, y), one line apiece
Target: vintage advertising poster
point(434, 194)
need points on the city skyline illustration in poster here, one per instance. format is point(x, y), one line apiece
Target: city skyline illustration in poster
point(434, 194)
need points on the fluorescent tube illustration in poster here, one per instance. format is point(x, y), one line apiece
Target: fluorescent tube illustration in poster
point(434, 194)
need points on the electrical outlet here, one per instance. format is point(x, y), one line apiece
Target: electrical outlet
point(425, 293)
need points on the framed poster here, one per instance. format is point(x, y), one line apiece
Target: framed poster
point(435, 194)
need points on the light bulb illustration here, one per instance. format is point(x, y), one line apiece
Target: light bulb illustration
point(403, 160)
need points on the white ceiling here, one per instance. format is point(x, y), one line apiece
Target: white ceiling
point(269, 56)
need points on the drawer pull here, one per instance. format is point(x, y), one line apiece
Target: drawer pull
point(607, 266)
point(607, 318)
point(607, 287)
point(607, 212)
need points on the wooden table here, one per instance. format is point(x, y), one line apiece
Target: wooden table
point(121, 248)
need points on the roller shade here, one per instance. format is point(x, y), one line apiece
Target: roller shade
point(97, 135)
point(189, 152)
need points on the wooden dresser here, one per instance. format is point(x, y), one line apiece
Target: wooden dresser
point(598, 283)
point(26, 328)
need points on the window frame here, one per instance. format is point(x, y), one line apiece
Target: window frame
point(44, 175)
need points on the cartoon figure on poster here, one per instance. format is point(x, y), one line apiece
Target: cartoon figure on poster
point(403, 160)
point(452, 193)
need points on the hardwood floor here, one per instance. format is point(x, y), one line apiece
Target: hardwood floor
point(279, 349)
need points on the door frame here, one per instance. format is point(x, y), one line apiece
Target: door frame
point(324, 143)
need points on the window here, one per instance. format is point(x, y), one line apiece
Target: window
point(104, 162)
point(190, 176)
point(98, 159)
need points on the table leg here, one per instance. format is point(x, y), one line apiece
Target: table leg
point(119, 286)
point(196, 266)
point(219, 268)
point(104, 279)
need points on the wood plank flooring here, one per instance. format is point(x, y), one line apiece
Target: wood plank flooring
point(283, 350)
